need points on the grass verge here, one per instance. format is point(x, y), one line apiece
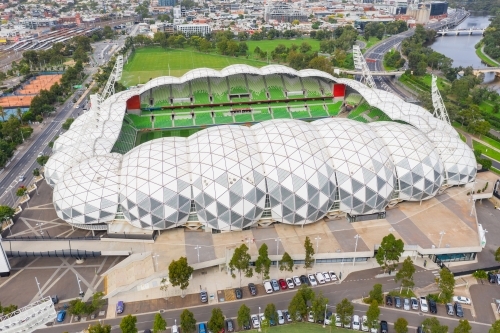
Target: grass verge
point(303, 328)
point(485, 58)
point(462, 137)
point(403, 294)
point(488, 151)
point(495, 170)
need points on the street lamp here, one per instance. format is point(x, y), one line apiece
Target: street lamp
point(38, 285)
point(40, 226)
point(442, 233)
point(197, 248)
point(277, 240)
point(355, 248)
point(259, 318)
point(324, 318)
point(155, 258)
point(317, 238)
point(79, 287)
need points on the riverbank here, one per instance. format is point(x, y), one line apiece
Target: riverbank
point(486, 58)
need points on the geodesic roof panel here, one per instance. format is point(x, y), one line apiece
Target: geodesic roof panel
point(299, 174)
point(228, 177)
point(155, 191)
point(88, 192)
point(458, 159)
point(364, 169)
point(419, 168)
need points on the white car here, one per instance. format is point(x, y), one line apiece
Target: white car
point(262, 317)
point(364, 324)
point(327, 277)
point(374, 328)
point(320, 278)
point(310, 318)
point(296, 281)
point(333, 276)
point(356, 325)
point(414, 303)
point(312, 279)
point(281, 318)
point(329, 317)
point(338, 323)
point(406, 304)
point(423, 304)
point(289, 283)
point(461, 299)
point(255, 321)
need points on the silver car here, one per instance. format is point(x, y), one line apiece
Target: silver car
point(406, 304)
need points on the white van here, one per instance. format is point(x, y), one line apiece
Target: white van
point(268, 287)
point(281, 319)
point(356, 325)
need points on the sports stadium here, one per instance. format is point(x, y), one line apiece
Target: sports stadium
point(225, 150)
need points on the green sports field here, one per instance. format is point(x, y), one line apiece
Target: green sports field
point(269, 45)
point(151, 62)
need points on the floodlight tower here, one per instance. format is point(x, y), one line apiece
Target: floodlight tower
point(360, 64)
point(116, 75)
point(439, 108)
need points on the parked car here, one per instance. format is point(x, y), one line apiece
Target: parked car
point(247, 324)
point(406, 304)
point(333, 276)
point(175, 329)
point(296, 281)
point(348, 322)
point(364, 324)
point(388, 300)
point(119, 307)
point(238, 293)
point(203, 296)
point(384, 328)
point(338, 323)
point(414, 303)
point(433, 307)
point(423, 304)
point(290, 283)
point(310, 317)
point(21, 178)
point(268, 287)
point(287, 315)
point(461, 299)
point(320, 278)
point(328, 319)
point(202, 328)
point(147, 330)
point(229, 325)
point(252, 289)
point(283, 284)
point(255, 321)
point(449, 309)
point(276, 286)
point(312, 280)
point(281, 318)
point(304, 280)
point(55, 299)
point(61, 315)
point(397, 301)
point(327, 277)
point(492, 278)
point(374, 328)
point(458, 310)
point(356, 324)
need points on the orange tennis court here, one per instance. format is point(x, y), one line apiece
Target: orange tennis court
point(23, 96)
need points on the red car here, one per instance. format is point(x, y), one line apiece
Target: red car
point(282, 283)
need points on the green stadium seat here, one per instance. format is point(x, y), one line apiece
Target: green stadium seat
point(237, 84)
point(126, 139)
point(257, 87)
point(243, 118)
point(140, 121)
point(275, 86)
point(163, 121)
point(200, 91)
point(317, 111)
point(203, 119)
point(222, 118)
point(293, 84)
point(300, 114)
point(333, 108)
point(281, 113)
point(311, 86)
point(363, 107)
point(183, 122)
point(326, 86)
point(219, 89)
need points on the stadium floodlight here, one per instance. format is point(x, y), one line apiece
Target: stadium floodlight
point(437, 101)
point(115, 76)
point(360, 64)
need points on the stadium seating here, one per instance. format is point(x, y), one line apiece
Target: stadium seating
point(163, 121)
point(219, 89)
point(200, 91)
point(300, 114)
point(275, 86)
point(203, 118)
point(262, 114)
point(327, 87)
point(292, 83)
point(161, 96)
point(280, 113)
point(223, 118)
point(358, 111)
point(126, 139)
point(181, 91)
point(243, 118)
point(317, 110)
point(311, 86)
point(334, 108)
point(140, 122)
point(257, 87)
point(378, 115)
point(353, 99)
point(237, 84)
point(183, 122)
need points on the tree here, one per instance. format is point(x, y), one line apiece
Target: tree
point(432, 325)
point(263, 263)
point(241, 262)
point(98, 328)
point(308, 262)
point(243, 315)
point(298, 305)
point(463, 326)
point(127, 325)
point(495, 327)
point(188, 322)
point(405, 274)
point(42, 160)
point(401, 325)
point(6, 213)
point(216, 322)
point(160, 324)
point(36, 172)
point(446, 284)
point(270, 313)
point(2, 113)
point(179, 273)
point(21, 191)
point(376, 293)
point(66, 125)
point(265, 324)
point(372, 314)
point(389, 252)
point(7, 309)
point(318, 306)
point(96, 303)
point(345, 310)
point(480, 275)
point(286, 263)
point(497, 254)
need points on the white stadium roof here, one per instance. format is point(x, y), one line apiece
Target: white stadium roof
point(224, 174)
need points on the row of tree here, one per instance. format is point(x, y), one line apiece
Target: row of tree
point(13, 132)
point(379, 29)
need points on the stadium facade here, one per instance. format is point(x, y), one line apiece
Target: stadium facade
point(230, 177)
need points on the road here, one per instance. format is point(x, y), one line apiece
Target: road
point(26, 161)
point(356, 286)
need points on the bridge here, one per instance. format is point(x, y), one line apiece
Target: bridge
point(476, 71)
point(463, 32)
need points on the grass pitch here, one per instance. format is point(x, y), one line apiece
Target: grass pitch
point(152, 62)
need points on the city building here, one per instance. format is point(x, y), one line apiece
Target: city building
point(194, 29)
point(283, 12)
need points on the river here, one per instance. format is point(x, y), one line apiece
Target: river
point(461, 48)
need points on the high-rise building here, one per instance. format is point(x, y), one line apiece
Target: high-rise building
point(167, 3)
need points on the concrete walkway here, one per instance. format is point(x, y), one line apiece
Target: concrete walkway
point(487, 56)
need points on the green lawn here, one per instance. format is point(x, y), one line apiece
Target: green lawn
point(462, 137)
point(151, 62)
point(304, 328)
point(486, 59)
point(371, 41)
point(491, 141)
point(269, 45)
point(494, 154)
